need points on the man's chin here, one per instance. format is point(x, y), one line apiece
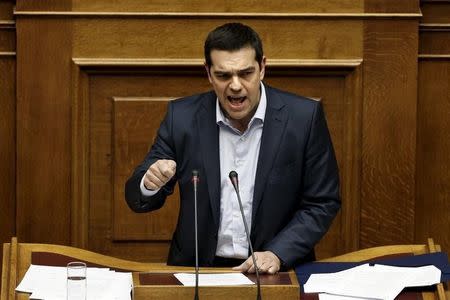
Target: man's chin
point(237, 116)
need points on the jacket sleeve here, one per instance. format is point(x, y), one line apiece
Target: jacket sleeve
point(163, 148)
point(319, 199)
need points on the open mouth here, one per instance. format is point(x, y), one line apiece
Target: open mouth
point(236, 100)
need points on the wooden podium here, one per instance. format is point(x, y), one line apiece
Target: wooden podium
point(156, 280)
point(150, 280)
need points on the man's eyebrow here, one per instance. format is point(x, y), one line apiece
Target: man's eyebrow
point(249, 69)
point(222, 72)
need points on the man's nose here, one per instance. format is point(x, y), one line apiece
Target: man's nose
point(235, 84)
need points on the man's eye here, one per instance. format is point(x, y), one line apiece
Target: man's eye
point(247, 73)
point(223, 76)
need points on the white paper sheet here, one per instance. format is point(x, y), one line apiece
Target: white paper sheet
point(216, 279)
point(49, 283)
point(372, 281)
point(324, 296)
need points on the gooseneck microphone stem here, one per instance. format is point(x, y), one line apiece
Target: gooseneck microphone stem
point(195, 180)
point(234, 180)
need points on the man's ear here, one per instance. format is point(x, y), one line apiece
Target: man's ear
point(262, 67)
point(208, 71)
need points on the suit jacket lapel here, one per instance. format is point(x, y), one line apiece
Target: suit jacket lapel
point(209, 146)
point(274, 124)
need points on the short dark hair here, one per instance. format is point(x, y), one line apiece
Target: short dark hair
point(232, 37)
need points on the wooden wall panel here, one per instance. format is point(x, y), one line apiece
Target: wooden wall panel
point(388, 6)
point(433, 139)
point(433, 41)
point(133, 130)
point(6, 10)
point(7, 147)
point(389, 136)
point(7, 123)
point(178, 37)
point(319, 6)
point(44, 5)
point(43, 130)
point(435, 12)
point(7, 36)
point(433, 148)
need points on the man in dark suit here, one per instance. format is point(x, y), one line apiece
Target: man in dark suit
point(279, 144)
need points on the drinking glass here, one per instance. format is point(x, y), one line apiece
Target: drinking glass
point(76, 281)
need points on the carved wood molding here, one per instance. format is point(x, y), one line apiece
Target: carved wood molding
point(435, 1)
point(434, 56)
point(7, 54)
point(434, 27)
point(131, 99)
point(80, 159)
point(7, 24)
point(197, 62)
point(218, 15)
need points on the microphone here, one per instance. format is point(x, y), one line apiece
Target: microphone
point(195, 180)
point(234, 180)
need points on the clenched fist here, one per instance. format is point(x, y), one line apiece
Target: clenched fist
point(159, 173)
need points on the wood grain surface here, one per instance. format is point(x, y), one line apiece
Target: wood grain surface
point(389, 133)
point(432, 214)
point(7, 123)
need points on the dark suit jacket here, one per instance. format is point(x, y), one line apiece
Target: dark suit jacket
point(296, 192)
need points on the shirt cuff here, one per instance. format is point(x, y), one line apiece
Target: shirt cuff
point(145, 191)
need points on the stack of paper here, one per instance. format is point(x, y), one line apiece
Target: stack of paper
point(370, 281)
point(50, 283)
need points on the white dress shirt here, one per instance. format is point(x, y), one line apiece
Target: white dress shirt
point(238, 152)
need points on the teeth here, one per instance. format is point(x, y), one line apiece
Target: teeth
point(236, 99)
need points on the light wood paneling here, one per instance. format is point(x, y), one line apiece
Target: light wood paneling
point(7, 36)
point(384, 6)
point(435, 12)
point(219, 6)
point(7, 148)
point(433, 126)
point(43, 130)
point(433, 146)
point(46, 5)
point(198, 6)
point(435, 40)
point(134, 124)
point(7, 123)
point(6, 10)
point(389, 136)
point(178, 37)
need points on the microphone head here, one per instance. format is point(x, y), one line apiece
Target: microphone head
point(195, 178)
point(234, 180)
point(232, 175)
